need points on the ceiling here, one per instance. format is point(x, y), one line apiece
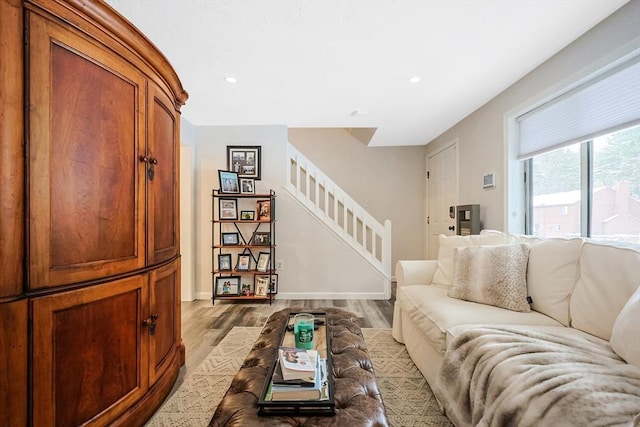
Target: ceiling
point(346, 63)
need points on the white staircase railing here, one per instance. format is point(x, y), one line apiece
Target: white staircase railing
point(340, 213)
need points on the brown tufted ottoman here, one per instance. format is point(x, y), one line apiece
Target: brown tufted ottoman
point(357, 398)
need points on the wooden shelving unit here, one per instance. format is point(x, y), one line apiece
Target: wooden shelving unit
point(243, 233)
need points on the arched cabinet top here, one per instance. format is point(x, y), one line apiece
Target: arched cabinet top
point(107, 26)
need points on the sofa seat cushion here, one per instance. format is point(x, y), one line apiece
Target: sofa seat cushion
point(434, 312)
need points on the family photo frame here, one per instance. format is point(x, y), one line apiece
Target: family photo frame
point(230, 239)
point(263, 261)
point(228, 209)
point(224, 262)
point(244, 262)
point(245, 160)
point(229, 182)
point(247, 186)
point(261, 285)
point(261, 238)
point(247, 215)
point(227, 285)
point(264, 210)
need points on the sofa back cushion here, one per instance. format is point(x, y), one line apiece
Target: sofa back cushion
point(552, 275)
point(625, 336)
point(443, 276)
point(608, 278)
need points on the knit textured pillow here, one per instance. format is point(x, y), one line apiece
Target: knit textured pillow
point(493, 275)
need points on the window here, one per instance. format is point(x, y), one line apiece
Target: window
point(588, 189)
point(581, 155)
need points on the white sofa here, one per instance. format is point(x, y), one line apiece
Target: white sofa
point(575, 288)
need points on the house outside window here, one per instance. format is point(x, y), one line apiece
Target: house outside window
point(606, 180)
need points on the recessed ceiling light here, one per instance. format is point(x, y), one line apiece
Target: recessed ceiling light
point(414, 80)
point(230, 80)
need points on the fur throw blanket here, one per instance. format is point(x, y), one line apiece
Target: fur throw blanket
point(502, 376)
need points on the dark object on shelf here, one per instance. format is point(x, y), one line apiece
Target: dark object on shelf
point(467, 220)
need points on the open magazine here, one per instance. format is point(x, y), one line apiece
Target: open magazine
point(297, 364)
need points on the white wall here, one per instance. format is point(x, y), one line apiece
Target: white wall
point(316, 264)
point(483, 137)
point(389, 182)
point(187, 229)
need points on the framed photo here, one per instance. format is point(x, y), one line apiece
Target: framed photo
point(273, 288)
point(224, 262)
point(261, 285)
point(261, 238)
point(263, 261)
point(229, 183)
point(244, 262)
point(247, 215)
point(264, 210)
point(247, 186)
point(227, 285)
point(244, 160)
point(228, 208)
point(230, 239)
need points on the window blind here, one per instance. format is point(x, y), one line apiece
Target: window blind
point(599, 106)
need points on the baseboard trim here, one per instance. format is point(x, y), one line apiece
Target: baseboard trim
point(316, 295)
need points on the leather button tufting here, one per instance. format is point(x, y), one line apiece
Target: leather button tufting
point(357, 398)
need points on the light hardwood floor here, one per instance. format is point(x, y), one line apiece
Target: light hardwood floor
point(204, 325)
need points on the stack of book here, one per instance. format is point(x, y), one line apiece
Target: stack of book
point(299, 375)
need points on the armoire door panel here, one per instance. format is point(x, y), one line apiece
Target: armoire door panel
point(164, 292)
point(86, 212)
point(11, 149)
point(163, 188)
point(94, 157)
point(13, 362)
point(89, 355)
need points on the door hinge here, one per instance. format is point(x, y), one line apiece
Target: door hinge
point(428, 173)
point(428, 219)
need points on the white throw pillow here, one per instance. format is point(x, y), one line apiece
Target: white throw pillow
point(493, 275)
point(625, 337)
point(443, 275)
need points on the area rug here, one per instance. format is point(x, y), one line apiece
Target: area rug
point(406, 394)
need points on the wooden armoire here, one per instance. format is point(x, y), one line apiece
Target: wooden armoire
point(89, 227)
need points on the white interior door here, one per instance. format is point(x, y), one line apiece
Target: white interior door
point(442, 188)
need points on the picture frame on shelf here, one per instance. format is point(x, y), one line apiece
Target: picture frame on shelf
point(247, 186)
point(273, 288)
point(227, 286)
point(228, 209)
point(263, 261)
point(261, 238)
point(247, 215)
point(245, 160)
point(229, 183)
point(230, 239)
point(261, 285)
point(244, 262)
point(224, 262)
point(264, 210)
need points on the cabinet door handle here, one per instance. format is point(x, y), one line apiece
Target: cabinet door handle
point(144, 159)
point(452, 227)
point(151, 324)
